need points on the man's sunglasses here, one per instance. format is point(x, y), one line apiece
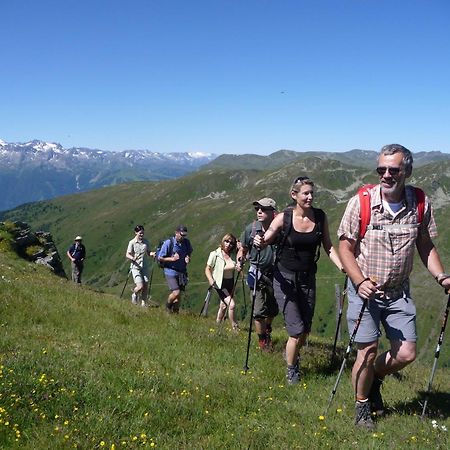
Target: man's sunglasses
point(263, 208)
point(392, 170)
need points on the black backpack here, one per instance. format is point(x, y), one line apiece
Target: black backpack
point(287, 226)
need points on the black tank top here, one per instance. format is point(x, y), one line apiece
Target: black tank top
point(299, 251)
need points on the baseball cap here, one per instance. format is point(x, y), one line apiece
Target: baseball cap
point(266, 202)
point(182, 230)
point(78, 238)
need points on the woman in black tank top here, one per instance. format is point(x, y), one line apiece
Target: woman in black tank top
point(300, 231)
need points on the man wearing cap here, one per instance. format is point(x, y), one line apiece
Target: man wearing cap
point(175, 254)
point(261, 262)
point(77, 255)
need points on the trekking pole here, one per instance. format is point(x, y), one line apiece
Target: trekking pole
point(244, 313)
point(436, 356)
point(150, 281)
point(341, 307)
point(204, 310)
point(347, 353)
point(125, 285)
point(252, 310)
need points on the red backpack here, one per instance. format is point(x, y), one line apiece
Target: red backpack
point(365, 210)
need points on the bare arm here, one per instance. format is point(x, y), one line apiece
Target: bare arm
point(271, 233)
point(430, 258)
point(240, 256)
point(328, 246)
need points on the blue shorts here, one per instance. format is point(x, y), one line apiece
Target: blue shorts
point(398, 316)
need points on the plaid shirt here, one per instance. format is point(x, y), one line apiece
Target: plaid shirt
point(387, 254)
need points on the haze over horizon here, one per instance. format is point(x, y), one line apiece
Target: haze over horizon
point(226, 77)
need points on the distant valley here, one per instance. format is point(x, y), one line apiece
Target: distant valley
point(38, 170)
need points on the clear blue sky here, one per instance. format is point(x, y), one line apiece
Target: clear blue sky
point(236, 76)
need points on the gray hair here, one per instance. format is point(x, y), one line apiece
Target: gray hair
point(392, 149)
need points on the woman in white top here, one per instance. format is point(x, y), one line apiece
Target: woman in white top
point(219, 271)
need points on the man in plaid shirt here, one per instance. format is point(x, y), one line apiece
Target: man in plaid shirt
point(379, 265)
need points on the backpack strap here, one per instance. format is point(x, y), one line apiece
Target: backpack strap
point(319, 215)
point(171, 244)
point(364, 208)
point(285, 230)
point(365, 211)
point(420, 199)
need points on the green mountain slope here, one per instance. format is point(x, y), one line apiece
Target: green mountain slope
point(215, 201)
point(82, 369)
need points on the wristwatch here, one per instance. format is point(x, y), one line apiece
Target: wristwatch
point(440, 277)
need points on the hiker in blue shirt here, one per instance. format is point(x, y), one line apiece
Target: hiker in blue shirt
point(175, 255)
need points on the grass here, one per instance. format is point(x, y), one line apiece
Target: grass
point(82, 369)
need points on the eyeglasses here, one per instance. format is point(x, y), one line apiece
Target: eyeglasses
point(263, 208)
point(229, 242)
point(392, 170)
point(300, 179)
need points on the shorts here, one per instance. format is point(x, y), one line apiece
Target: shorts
point(398, 316)
point(177, 282)
point(265, 302)
point(296, 297)
point(226, 289)
point(139, 277)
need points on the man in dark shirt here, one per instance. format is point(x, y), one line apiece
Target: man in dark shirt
point(262, 261)
point(77, 255)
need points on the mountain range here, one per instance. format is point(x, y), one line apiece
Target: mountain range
point(38, 170)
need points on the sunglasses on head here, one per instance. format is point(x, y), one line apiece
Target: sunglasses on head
point(263, 208)
point(300, 179)
point(391, 170)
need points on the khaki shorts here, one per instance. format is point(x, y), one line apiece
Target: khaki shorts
point(139, 277)
point(398, 317)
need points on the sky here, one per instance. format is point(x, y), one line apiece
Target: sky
point(226, 76)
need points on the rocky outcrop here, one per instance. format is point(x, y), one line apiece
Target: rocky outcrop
point(34, 246)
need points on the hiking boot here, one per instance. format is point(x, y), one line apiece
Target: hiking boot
point(363, 415)
point(269, 343)
point(293, 374)
point(375, 398)
point(134, 298)
point(262, 339)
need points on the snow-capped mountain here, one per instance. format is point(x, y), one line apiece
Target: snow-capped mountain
point(38, 170)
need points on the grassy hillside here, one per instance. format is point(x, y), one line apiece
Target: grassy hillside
point(82, 369)
point(215, 201)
